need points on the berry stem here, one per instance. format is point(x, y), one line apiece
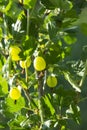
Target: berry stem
point(26, 79)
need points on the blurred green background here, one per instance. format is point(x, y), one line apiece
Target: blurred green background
point(77, 54)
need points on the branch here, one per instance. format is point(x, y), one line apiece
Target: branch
point(40, 76)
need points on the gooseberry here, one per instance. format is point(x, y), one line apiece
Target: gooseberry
point(52, 81)
point(14, 52)
point(39, 63)
point(15, 93)
point(25, 63)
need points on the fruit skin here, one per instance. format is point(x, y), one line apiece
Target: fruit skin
point(15, 57)
point(51, 81)
point(14, 52)
point(39, 63)
point(25, 63)
point(15, 93)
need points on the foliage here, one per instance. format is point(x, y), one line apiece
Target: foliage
point(47, 29)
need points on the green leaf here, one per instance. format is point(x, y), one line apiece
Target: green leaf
point(28, 45)
point(3, 86)
point(53, 32)
point(1, 34)
point(56, 3)
point(83, 28)
point(12, 9)
point(15, 106)
point(82, 16)
point(66, 5)
point(47, 100)
point(74, 112)
point(62, 4)
point(72, 82)
point(23, 83)
point(1, 65)
point(47, 4)
point(54, 50)
point(1, 126)
point(29, 3)
point(69, 39)
point(17, 124)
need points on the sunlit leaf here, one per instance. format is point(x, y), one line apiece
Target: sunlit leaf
point(69, 39)
point(51, 29)
point(16, 124)
point(23, 84)
point(15, 106)
point(47, 123)
point(12, 9)
point(3, 86)
point(47, 100)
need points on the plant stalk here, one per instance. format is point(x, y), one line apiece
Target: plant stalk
point(27, 21)
point(40, 94)
point(26, 79)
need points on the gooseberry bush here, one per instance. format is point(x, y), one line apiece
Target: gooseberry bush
point(40, 84)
